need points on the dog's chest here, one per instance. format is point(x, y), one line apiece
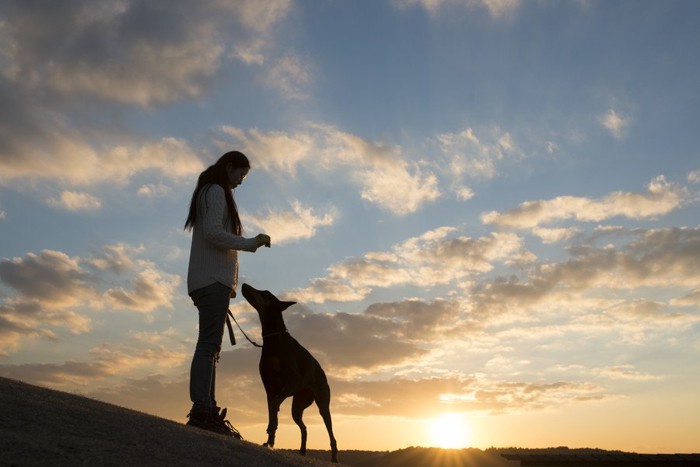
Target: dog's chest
point(271, 363)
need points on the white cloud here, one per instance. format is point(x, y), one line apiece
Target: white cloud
point(92, 54)
point(626, 372)
point(496, 8)
point(615, 123)
point(329, 290)
point(73, 161)
point(474, 157)
point(384, 177)
point(694, 176)
point(51, 277)
point(125, 357)
point(273, 151)
point(470, 157)
point(299, 223)
point(661, 198)
point(109, 361)
point(76, 201)
point(116, 258)
point(141, 53)
point(554, 235)
point(250, 53)
point(291, 75)
point(664, 259)
point(425, 397)
point(691, 299)
point(53, 290)
point(464, 193)
point(260, 16)
point(437, 257)
point(151, 289)
point(151, 190)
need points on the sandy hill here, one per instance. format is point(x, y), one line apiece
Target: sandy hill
point(40, 426)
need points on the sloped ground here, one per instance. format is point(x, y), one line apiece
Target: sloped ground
point(40, 426)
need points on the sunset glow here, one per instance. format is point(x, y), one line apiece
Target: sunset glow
point(486, 211)
point(450, 431)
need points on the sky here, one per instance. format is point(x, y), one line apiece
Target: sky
point(486, 210)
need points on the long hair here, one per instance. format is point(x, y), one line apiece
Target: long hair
point(217, 174)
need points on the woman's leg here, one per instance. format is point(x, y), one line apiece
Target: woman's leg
point(212, 302)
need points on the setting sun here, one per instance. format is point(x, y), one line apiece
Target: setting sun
point(449, 431)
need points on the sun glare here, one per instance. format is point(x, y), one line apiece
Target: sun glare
point(450, 431)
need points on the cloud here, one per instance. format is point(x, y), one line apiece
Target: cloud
point(105, 364)
point(151, 190)
point(299, 223)
point(71, 160)
point(323, 290)
point(50, 277)
point(661, 198)
point(464, 193)
point(691, 299)
point(115, 258)
point(663, 259)
point(496, 8)
point(437, 257)
point(468, 156)
point(427, 396)
point(54, 291)
point(694, 176)
point(69, 72)
point(382, 174)
point(273, 151)
point(615, 123)
point(23, 319)
point(152, 289)
point(291, 75)
point(554, 235)
point(76, 201)
point(12, 333)
point(352, 343)
point(138, 52)
point(387, 334)
point(471, 157)
point(626, 372)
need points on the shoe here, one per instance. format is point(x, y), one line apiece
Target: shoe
point(212, 420)
point(200, 418)
point(223, 426)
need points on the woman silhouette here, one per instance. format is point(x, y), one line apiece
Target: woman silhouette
point(212, 278)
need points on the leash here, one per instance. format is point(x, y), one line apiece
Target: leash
point(233, 338)
point(230, 330)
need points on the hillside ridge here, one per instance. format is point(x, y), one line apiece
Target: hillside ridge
point(41, 426)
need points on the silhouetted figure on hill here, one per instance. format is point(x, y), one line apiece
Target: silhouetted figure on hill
point(287, 369)
point(212, 278)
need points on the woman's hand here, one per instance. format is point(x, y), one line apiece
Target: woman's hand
point(263, 239)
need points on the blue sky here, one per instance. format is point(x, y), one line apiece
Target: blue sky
point(486, 209)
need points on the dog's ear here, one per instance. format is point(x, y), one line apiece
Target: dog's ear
point(285, 305)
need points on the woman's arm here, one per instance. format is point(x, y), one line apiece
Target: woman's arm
point(212, 212)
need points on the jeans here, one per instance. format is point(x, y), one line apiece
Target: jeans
point(212, 302)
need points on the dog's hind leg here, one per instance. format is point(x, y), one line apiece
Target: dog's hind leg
point(273, 406)
point(323, 401)
point(301, 401)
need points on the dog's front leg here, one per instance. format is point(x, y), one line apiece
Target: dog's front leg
point(273, 407)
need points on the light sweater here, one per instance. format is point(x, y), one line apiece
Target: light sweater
point(214, 250)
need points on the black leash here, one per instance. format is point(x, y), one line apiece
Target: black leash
point(233, 338)
point(230, 330)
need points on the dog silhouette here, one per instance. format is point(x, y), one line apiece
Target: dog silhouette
point(287, 369)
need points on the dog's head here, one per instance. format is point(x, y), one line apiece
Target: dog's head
point(268, 306)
